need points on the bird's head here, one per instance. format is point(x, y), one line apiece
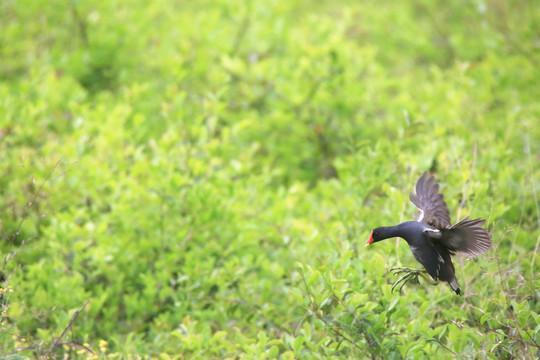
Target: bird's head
point(374, 236)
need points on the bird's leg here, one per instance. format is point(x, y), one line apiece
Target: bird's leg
point(428, 278)
point(410, 275)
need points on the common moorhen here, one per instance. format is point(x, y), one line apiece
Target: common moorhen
point(432, 238)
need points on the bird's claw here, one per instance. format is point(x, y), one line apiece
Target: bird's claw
point(407, 275)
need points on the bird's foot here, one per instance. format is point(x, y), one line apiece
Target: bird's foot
point(406, 275)
point(410, 275)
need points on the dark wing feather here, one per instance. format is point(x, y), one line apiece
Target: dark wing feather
point(467, 237)
point(433, 210)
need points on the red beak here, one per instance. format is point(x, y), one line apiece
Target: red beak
point(370, 241)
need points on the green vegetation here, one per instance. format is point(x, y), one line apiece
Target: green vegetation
point(208, 172)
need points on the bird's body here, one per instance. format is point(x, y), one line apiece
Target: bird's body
point(431, 238)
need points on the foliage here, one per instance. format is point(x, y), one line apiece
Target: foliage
point(206, 173)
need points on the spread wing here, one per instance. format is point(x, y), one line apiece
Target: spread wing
point(433, 210)
point(467, 237)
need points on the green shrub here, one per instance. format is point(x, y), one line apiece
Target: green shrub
point(206, 174)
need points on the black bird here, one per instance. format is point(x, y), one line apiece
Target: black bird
point(432, 238)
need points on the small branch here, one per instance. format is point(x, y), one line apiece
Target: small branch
point(351, 313)
point(32, 201)
point(242, 31)
point(187, 238)
point(36, 194)
point(80, 22)
point(447, 348)
point(337, 332)
point(80, 346)
point(256, 309)
point(467, 185)
point(537, 246)
point(321, 318)
point(58, 341)
point(309, 96)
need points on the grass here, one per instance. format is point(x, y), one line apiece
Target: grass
point(198, 179)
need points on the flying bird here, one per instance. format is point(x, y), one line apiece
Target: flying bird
point(432, 238)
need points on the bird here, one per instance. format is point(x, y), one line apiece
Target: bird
point(433, 239)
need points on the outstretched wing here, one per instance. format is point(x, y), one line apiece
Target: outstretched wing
point(433, 210)
point(467, 237)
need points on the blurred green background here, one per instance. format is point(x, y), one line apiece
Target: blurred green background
point(208, 172)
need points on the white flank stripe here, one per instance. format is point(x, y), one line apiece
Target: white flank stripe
point(441, 259)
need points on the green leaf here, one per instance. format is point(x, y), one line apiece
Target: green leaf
point(298, 342)
point(263, 338)
point(313, 278)
point(218, 336)
point(273, 352)
point(523, 317)
point(393, 303)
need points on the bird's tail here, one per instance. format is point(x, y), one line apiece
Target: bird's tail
point(455, 286)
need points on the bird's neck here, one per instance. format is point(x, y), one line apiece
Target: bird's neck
point(387, 232)
point(409, 230)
